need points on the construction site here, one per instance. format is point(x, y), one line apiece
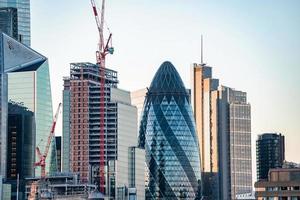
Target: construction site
point(89, 152)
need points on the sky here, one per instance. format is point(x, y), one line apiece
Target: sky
point(253, 46)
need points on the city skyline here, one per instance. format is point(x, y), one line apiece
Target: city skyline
point(242, 53)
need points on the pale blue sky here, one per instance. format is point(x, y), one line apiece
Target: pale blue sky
point(252, 46)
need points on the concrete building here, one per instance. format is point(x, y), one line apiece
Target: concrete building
point(25, 81)
point(168, 134)
point(81, 129)
point(204, 99)
point(282, 184)
point(136, 173)
point(235, 143)
point(23, 14)
point(9, 22)
point(270, 153)
point(223, 120)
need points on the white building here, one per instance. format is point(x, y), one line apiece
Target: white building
point(129, 166)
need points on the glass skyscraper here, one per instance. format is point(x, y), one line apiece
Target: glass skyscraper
point(270, 153)
point(9, 21)
point(23, 9)
point(168, 134)
point(25, 81)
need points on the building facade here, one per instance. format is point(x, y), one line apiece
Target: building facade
point(223, 120)
point(25, 82)
point(81, 128)
point(9, 21)
point(270, 153)
point(204, 98)
point(138, 99)
point(235, 142)
point(282, 184)
point(168, 134)
point(23, 10)
point(66, 115)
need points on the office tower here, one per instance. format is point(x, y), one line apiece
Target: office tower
point(280, 184)
point(25, 81)
point(58, 152)
point(9, 21)
point(23, 9)
point(270, 153)
point(168, 134)
point(81, 128)
point(235, 143)
point(204, 98)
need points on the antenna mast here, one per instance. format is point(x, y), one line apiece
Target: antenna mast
point(201, 49)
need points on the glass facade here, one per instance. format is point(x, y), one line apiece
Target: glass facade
point(270, 153)
point(168, 134)
point(9, 21)
point(32, 90)
point(23, 7)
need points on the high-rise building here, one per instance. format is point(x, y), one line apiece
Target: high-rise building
point(9, 21)
point(66, 112)
point(235, 143)
point(84, 119)
point(20, 149)
point(204, 98)
point(270, 153)
point(25, 81)
point(23, 9)
point(168, 134)
point(81, 129)
point(223, 120)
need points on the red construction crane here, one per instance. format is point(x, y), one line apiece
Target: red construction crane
point(43, 157)
point(104, 49)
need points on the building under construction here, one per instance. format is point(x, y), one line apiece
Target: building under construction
point(82, 142)
point(84, 89)
point(62, 186)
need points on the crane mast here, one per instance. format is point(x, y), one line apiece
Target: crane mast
point(43, 157)
point(103, 50)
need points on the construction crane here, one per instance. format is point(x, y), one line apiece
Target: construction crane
point(43, 157)
point(103, 50)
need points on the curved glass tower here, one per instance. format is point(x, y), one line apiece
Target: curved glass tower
point(168, 134)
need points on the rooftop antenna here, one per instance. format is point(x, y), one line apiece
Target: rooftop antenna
point(202, 49)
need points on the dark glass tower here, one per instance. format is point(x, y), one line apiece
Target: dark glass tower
point(168, 134)
point(269, 153)
point(9, 21)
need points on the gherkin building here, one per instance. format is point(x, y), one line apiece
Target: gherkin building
point(168, 134)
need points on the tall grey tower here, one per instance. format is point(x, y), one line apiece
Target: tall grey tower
point(235, 143)
point(23, 9)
